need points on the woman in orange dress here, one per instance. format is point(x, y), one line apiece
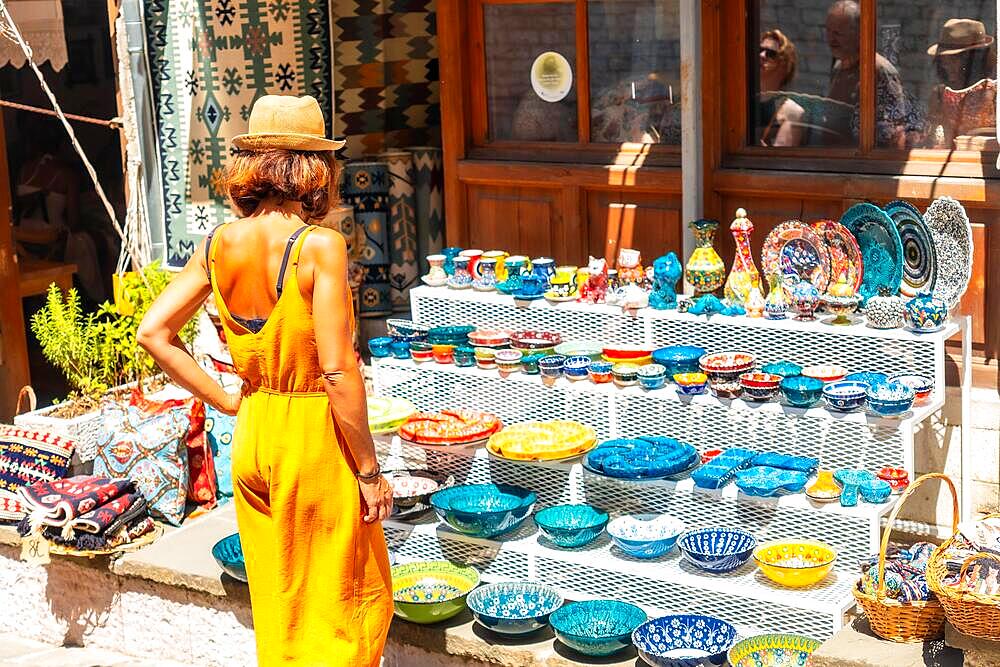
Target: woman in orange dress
point(308, 490)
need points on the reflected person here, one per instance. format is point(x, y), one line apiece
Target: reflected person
point(778, 61)
point(964, 102)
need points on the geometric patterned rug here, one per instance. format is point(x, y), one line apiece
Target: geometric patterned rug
point(210, 60)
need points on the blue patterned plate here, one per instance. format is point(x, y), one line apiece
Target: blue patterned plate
point(919, 256)
point(643, 458)
point(881, 248)
point(684, 641)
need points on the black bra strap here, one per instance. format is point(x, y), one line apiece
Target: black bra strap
point(208, 253)
point(284, 260)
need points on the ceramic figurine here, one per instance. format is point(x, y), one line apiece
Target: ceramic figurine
point(776, 303)
point(450, 253)
point(925, 313)
point(667, 271)
point(487, 279)
point(461, 278)
point(805, 298)
point(755, 303)
point(841, 300)
point(595, 288)
point(630, 271)
point(501, 263)
point(436, 277)
point(744, 276)
point(705, 269)
point(885, 311)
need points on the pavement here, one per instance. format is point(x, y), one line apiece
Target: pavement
point(18, 652)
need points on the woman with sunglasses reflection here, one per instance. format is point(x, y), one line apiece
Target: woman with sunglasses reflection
point(778, 62)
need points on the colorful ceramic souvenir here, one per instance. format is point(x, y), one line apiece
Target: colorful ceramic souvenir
point(765, 482)
point(629, 265)
point(513, 607)
point(845, 255)
point(898, 478)
point(774, 650)
point(533, 287)
point(825, 372)
point(443, 353)
point(952, 235)
point(925, 314)
point(890, 399)
point(529, 363)
point(805, 298)
point(776, 303)
point(380, 347)
point(743, 276)
point(755, 303)
point(795, 564)
point(705, 270)
point(571, 526)
point(645, 535)
point(717, 549)
point(869, 378)
point(449, 427)
point(516, 267)
point(691, 384)
point(483, 510)
point(474, 254)
point(542, 441)
point(386, 414)
point(885, 311)
point(489, 338)
point(785, 369)
point(450, 253)
point(464, 356)
point(596, 627)
point(600, 371)
point(667, 270)
point(642, 458)
point(508, 361)
point(576, 367)
point(595, 288)
point(431, 591)
point(563, 286)
point(534, 340)
point(486, 281)
point(545, 269)
point(679, 358)
point(919, 256)
point(759, 386)
point(551, 368)
point(801, 392)
point(652, 376)
point(793, 251)
point(485, 358)
point(435, 276)
point(840, 300)
point(577, 348)
point(625, 374)
point(501, 263)
point(461, 277)
point(881, 248)
point(684, 641)
point(825, 489)
point(845, 395)
point(922, 385)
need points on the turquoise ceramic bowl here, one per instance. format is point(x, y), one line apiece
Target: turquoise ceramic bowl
point(228, 553)
point(483, 510)
point(571, 526)
point(381, 346)
point(514, 607)
point(801, 391)
point(785, 369)
point(597, 627)
point(890, 399)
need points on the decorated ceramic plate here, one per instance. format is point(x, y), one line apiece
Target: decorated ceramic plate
point(542, 441)
point(881, 249)
point(386, 414)
point(845, 255)
point(919, 256)
point(449, 427)
point(795, 252)
point(952, 236)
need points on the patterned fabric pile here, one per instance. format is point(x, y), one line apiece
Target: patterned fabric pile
point(976, 537)
point(85, 512)
point(27, 457)
point(905, 573)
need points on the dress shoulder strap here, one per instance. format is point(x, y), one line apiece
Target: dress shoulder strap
point(290, 255)
point(208, 251)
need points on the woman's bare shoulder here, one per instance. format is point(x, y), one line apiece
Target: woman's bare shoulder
point(323, 245)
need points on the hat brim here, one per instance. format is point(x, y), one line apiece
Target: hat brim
point(936, 50)
point(293, 142)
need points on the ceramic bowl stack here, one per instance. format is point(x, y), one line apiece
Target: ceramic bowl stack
point(922, 385)
point(508, 361)
point(228, 553)
point(452, 335)
point(627, 354)
point(571, 526)
point(845, 395)
point(679, 358)
point(691, 384)
point(795, 564)
point(483, 510)
point(724, 370)
point(580, 348)
point(597, 627)
point(431, 591)
point(890, 399)
point(645, 535)
point(717, 549)
point(684, 641)
point(772, 650)
point(652, 376)
point(514, 608)
point(494, 338)
point(380, 347)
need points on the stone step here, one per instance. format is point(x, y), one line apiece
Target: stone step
point(18, 652)
point(856, 646)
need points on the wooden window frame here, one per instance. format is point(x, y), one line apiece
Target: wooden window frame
point(583, 151)
point(865, 158)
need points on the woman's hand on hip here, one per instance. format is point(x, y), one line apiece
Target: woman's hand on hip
point(231, 404)
point(377, 497)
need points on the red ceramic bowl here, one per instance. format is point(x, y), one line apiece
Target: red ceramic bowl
point(421, 355)
point(489, 337)
point(620, 353)
point(826, 372)
point(760, 380)
point(533, 340)
point(898, 478)
point(726, 361)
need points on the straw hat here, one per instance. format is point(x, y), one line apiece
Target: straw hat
point(959, 35)
point(286, 121)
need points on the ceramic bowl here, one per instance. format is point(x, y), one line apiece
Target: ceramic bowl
point(717, 549)
point(684, 641)
point(722, 362)
point(795, 564)
point(679, 358)
point(228, 553)
point(575, 368)
point(431, 591)
point(380, 347)
point(571, 526)
point(645, 535)
point(759, 386)
point(489, 338)
point(875, 491)
point(600, 371)
point(625, 375)
point(801, 391)
point(691, 384)
point(443, 352)
point(514, 607)
point(551, 366)
point(652, 376)
point(405, 328)
point(772, 650)
point(925, 314)
point(574, 348)
point(826, 372)
point(529, 363)
point(898, 478)
point(411, 487)
point(534, 340)
point(635, 354)
point(845, 395)
point(890, 399)
point(485, 357)
point(508, 357)
point(483, 510)
point(464, 356)
point(400, 349)
point(452, 335)
point(870, 378)
point(597, 627)
point(785, 369)
point(421, 351)
point(922, 385)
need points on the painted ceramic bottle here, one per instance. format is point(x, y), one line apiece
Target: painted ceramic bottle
point(744, 275)
point(705, 269)
point(755, 303)
point(776, 304)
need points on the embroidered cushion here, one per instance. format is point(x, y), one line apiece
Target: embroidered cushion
point(219, 429)
point(27, 457)
point(151, 450)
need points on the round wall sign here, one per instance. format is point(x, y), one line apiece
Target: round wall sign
point(551, 76)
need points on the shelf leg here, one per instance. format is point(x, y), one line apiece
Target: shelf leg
point(967, 453)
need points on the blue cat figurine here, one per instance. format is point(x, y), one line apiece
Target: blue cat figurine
point(667, 270)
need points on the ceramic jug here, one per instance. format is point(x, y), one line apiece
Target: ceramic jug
point(705, 269)
point(487, 279)
point(461, 278)
point(776, 304)
point(501, 263)
point(744, 276)
point(474, 255)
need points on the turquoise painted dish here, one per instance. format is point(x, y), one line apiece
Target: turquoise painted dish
point(597, 627)
point(483, 510)
point(773, 650)
point(801, 391)
point(881, 248)
point(679, 358)
point(228, 553)
point(571, 526)
point(870, 378)
point(785, 369)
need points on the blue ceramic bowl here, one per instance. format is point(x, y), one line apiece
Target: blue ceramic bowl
point(870, 378)
point(684, 641)
point(875, 491)
point(529, 363)
point(717, 549)
point(571, 526)
point(890, 399)
point(801, 391)
point(228, 553)
point(514, 607)
point(464, 356)
point(483, 510)
point(381, 346)
point(552, 365)
point(678, 358)
point(845, 395)
point(785, 369)
point(645, 535)
point(400, 349)
point(597, 627)
point(453, 335)
point(652, 376)
point(405, 328)
point(575, 368)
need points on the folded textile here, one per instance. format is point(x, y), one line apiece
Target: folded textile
point(28, 456)
point(108, 525)
point(59, 502)
point(905, 573)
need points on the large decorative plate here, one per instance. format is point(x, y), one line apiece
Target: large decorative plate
point(919, 256)
point(449, 427)
point(952, 235)
point(881, 249)
point(795, 252)
point(845, 255)
point(542, 441)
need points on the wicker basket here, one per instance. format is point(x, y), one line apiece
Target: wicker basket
point(896, 621)
point(971, 613)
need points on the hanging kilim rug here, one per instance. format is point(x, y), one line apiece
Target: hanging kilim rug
point(210, 60)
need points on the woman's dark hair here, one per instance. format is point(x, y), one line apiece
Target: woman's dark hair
point(308, 177)
point(977, 64)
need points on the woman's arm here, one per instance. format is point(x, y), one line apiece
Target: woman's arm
point(332, 318)
point(157, 334)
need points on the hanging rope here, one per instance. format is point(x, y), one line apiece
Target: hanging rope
point(113, 124)
point(9, 29)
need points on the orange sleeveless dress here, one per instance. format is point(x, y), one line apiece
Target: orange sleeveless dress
point(320, 585)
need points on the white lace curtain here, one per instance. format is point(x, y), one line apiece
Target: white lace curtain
point(41, 25)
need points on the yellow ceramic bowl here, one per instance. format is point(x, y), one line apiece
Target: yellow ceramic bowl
point(635, 361)
point(690, 378)
point(795, 563)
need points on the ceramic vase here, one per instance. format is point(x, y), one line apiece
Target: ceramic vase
point(805, 298)
point(925, 313)
point(705, 269)
point(755, 303)
point(435, 276)
point(776, 304)
point(450, 254)
point(744, 276)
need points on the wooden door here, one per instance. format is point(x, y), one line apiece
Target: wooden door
point(13, 342)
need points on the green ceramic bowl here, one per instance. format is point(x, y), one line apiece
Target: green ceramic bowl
point(431, 591)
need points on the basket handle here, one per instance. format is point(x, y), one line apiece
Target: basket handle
point(29, 393)
point(972, 559)
point(880, 594)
